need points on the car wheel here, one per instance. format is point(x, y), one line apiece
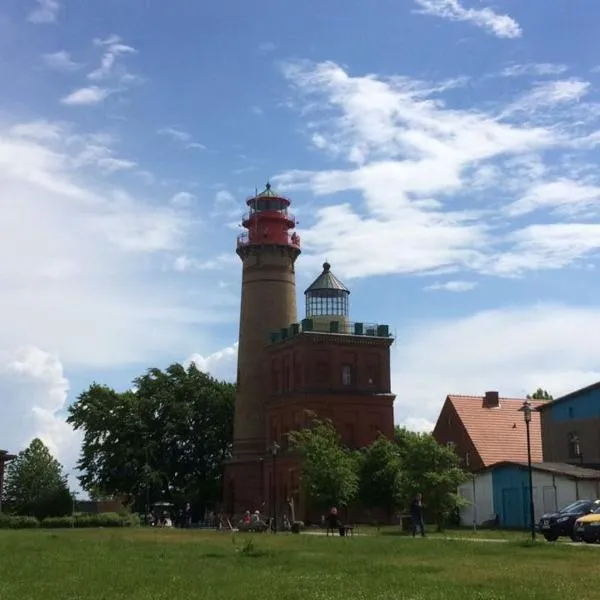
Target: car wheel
point(575, 538)
point(551, 537)
point(589, 540)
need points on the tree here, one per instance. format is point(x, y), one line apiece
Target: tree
point(35, 484)
point(432, 469)
point(380, 476)
point(540, 394)
point(166, 439)
point(329, 472)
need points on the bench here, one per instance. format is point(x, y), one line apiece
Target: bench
point(348, 530)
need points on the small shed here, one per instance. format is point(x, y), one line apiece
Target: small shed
point(501, 492)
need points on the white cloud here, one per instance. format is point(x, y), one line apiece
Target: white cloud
point(221, 364)
point(501, 26)
point(225, 204)
point(514, 351)
point(184, 263)
point(113, 48)
point(33, 404)
point(452, 286)
point(85, 269)
point(550, 93)
point(46, 11)
point(539, 69)
point(564, 195)
point(182, 137)
point(61, 61)
point(426, 173)
point(86, 96)
point(183, 199)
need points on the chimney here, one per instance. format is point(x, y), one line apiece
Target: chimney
point(491, 400)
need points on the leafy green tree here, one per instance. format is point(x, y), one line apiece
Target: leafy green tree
point(380, 476)
point(164, 440)
point(540, 394)
point(35, 484)
point(329, 474)
point(432, 469)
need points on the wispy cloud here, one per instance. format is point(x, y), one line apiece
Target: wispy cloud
point(46, 11)
point(501, 26)
point(421, 167)
point(61, 61)
point(86, 96)
point(181, 137)
point(113, 48)
point(452, 286)
point(539, 69)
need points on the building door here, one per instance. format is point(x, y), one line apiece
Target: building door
point(549, 504)
point(512, 508)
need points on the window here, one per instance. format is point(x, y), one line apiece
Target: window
point(450, 445)
point(574, 447)
point(571, 412)
point(322, 374)
point(347, 375)
point(467, 459)
point(373, 375)
point(286, 379)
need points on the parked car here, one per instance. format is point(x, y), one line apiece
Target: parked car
point(562, 523)
point(587, 527)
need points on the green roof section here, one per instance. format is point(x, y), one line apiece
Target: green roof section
point(326, 281)
point(268, 192)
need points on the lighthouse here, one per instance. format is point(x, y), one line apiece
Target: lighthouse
point(290, 371)
point(268, 249)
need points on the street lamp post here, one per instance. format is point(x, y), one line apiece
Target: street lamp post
point(274, 451)
point(526, 409)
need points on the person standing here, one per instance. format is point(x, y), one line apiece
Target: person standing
point(416, 512)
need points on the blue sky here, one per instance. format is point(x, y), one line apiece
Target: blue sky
point(441, 154)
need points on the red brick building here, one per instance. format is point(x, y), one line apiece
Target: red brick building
point(485, 430)
point(324, 364)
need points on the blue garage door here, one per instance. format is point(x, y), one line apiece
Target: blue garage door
point(514, 504)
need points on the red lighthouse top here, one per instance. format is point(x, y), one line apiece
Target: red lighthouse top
point(268, 221)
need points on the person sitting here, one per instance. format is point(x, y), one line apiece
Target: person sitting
point(334, 522)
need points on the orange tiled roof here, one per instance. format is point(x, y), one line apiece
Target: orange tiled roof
point(499, 433)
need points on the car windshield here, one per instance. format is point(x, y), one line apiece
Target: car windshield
point(579, 506)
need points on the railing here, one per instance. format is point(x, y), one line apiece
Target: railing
point(270, 214)
point(332, 327)
point(293, 239)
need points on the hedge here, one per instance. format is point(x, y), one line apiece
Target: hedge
point(79, 520)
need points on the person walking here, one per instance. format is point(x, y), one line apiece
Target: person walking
point(416, 512)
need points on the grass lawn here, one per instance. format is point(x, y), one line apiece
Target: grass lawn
point(175, 565)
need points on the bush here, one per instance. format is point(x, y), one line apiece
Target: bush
point(58, 522)
point(14, 522)
point(107, 520)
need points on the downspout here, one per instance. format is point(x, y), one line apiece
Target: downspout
point(555, 492)
point(577, 489)
point(474, 504)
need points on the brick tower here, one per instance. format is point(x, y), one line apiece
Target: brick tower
point(268, 250)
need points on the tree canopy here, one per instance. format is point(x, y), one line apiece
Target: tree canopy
point(35, 484)
point(329, 472)
point(166, 439)
point(431, 469)
point(540, 394)
point(380, 475)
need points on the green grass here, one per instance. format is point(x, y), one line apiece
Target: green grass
point(176, 565)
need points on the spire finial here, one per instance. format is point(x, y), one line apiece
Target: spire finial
point(326, 267)
point(268, 186)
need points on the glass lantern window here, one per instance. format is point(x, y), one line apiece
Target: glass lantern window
point(327, 303)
